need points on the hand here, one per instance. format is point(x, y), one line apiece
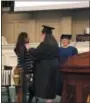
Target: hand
point(27, 45)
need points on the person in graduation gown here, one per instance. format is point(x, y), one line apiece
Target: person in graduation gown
point(65, 51)
point(47, 65)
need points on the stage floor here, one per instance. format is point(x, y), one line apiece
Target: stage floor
point(12, 94)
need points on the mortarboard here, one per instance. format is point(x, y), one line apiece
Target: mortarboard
point(66, 36)
point(47, 29)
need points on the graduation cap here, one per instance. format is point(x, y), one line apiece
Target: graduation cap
point(65, 36)
point(47, 29)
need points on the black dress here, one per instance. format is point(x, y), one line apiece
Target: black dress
point(47, 66)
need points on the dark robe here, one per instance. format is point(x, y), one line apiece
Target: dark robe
point(47, 66)
point(64, 54)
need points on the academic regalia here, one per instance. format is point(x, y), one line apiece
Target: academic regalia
point(47, 66)
point(68, 51)
point(64, 54)
point(66, 36)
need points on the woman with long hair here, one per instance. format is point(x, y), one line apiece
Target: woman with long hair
point(21, 50)
point(47, 66)
point(24, 60)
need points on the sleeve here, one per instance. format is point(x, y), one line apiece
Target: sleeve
point(75, 51)
point(38, 52)
point(59, 54)
point(31, 53)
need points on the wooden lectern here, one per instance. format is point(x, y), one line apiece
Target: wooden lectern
point(76, 75)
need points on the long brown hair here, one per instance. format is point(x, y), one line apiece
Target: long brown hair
point(21, 41)
point(50, 39)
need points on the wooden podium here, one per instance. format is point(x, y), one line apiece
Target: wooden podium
point(76, 76)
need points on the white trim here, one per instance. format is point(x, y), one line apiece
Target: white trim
point(34, 6)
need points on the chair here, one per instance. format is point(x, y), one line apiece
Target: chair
point(6, 81)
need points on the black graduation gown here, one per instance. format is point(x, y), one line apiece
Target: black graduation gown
point(47, 66)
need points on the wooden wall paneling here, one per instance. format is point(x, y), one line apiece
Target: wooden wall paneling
point(17, 20)
point(16, 16)
point(38, 31)
point(22, 26)
point(25, 26)
point(56, 24)
point(61, 26)
point(66, 24)
point(2, 28)
point(32, 31)
point(80, 25)
point(80, 21)
point(50, 18)
point(74, 27)
point(52, 23)
point(48, 22)
point(57, 31)
point(62, 20)
point(8, 31)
